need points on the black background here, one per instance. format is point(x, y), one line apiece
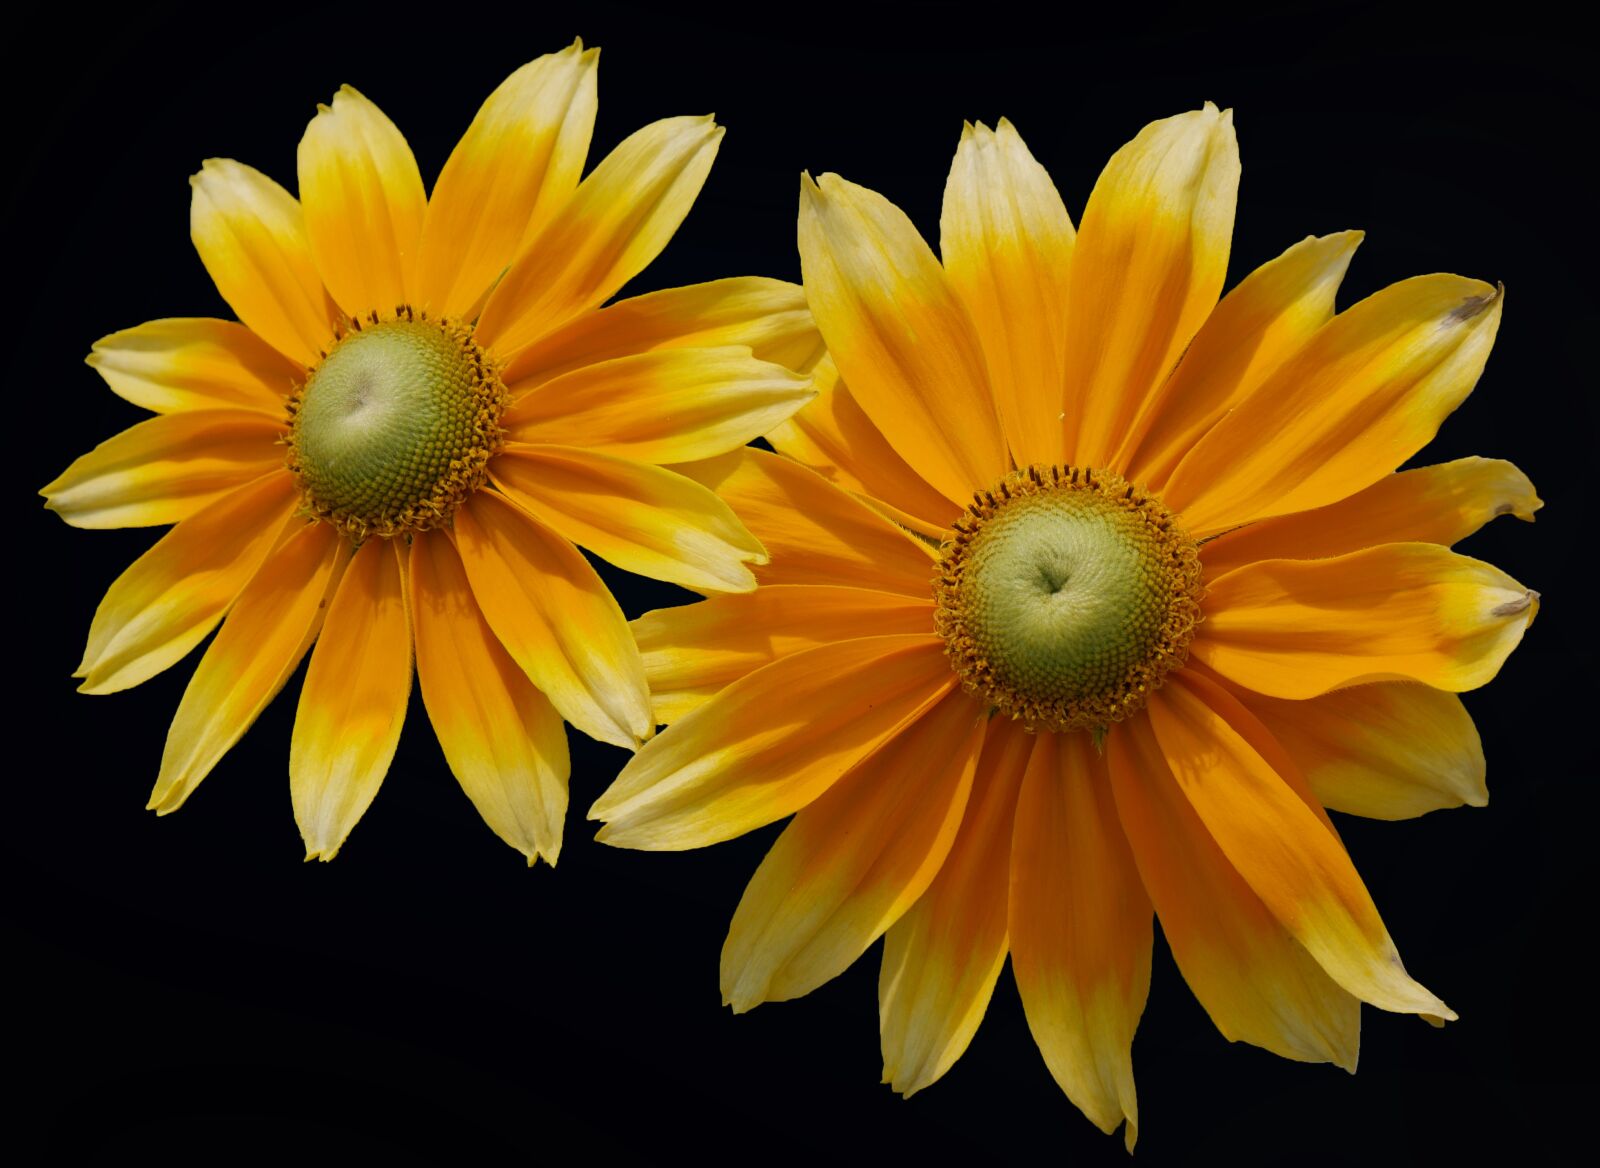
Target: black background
point(191, 988)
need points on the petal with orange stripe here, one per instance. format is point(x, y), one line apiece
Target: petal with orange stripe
point(192, 363)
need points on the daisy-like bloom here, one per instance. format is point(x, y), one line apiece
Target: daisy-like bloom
point(392, 455)
point(1089, 592)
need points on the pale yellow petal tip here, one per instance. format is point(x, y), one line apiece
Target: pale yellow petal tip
point(1528, 603)
point(1437, 1021)
point(1130, 1135)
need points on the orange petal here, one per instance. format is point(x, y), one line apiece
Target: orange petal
point(769, 317)
point(1007, 243)
point(1080, 927)
point(190, 363)
point(271, 626)
point(1288, 856)
point(1256, 981)
point(1367, 392)
point(251, 236)
point(1393, 750)
point(1398, 612)
point(353, 702)
point(555, 616)
point(815, 533)
point(849, 864)
point(518, 162)
point(1149, 264)
point(502, 738)
point(1254, 330)
point(1431, 504)
point(364, 204)
point(942, 958)
point(617, 221)
point(901, 336)
point(173, 595)
point(834, 437)
point(165, 469)
point(693, 651)
point(772, 742)
point(641, 518)
point(672, 405)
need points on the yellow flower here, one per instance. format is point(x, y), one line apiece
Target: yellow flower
point(1054, 477)
point(422, 410)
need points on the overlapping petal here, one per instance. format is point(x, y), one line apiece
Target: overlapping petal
point(165, 469)
point(691, 652)
point(1151, 256)
point(852, 861)
point(353, 702)
point(672, 405)
point(1397, 612)
point(251, 236)
point(192, 363)
point(772, 742)
point(518, 163)
point(942, 958)
point(1278, 844)
point(168, 599)
point(1007, 245)
point(644, 519)
point(1364, 394)
point(900, 335)
point(556, 618)
point(268, 630)
point(502, 738)
point(617, 221)
point(1080, 926)
point(364, 205)
point(1258, 983)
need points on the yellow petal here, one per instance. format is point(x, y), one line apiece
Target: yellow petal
point(251, 236)
point(1367, 392)
point(900, 335)
point(1256, 981)
point(693, 651)
point(1254, 330)
point(772, 742)
point(364, 205)
point(1151, 257)
point(1007, 243)
point(502, 738)
point(1398, 612)
point(555, 616)
point(269, 629)
point(191, 363)
point(353, 702)
point(173, 595)
point(674, 405)
point(942, 958)
point(617, 221)
point(166, 469)
point(1393, 750)
point(1288, 856)
point(814, 533)
point(517, 163)
point(834, 437)
point(1431, 504)
point(1080, 929)
point(769, 317)
point(641, 518)
point(849, 864)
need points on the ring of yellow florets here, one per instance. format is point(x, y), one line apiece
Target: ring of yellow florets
point(1065, 596)
point(396, 425)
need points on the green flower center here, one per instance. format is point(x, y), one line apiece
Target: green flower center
point(1065, 596)
point(396, 426)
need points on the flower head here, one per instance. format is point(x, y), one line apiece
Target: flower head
point(1090, 589)
point(423, 409)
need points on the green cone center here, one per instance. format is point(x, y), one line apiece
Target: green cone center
point(395, 427)
point(1066, 599)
